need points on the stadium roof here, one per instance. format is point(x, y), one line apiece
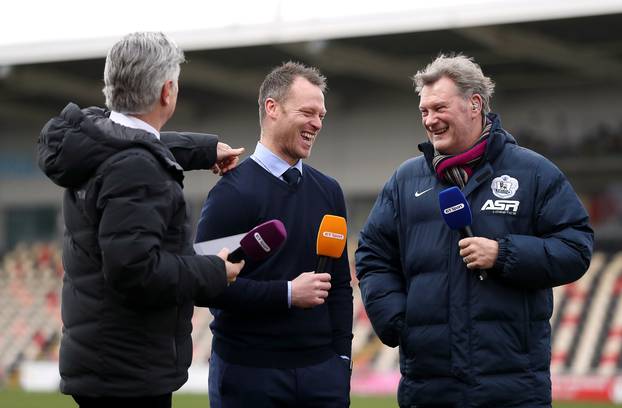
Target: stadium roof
point(363, 47)
point(34, 31)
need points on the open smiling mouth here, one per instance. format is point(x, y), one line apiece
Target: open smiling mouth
point(439, 132)
point(308, 136)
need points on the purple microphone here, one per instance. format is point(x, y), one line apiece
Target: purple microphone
point(260, 242)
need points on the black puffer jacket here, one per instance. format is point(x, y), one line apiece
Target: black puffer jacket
point(131, 275)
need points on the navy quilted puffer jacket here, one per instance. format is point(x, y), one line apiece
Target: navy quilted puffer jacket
point(465, 342)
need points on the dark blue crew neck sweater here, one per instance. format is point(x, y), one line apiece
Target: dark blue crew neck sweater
point(252, 322)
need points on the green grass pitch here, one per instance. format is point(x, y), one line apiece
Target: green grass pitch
point(20, 399)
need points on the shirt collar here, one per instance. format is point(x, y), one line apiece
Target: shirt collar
point(133, 122)
point(271, 162)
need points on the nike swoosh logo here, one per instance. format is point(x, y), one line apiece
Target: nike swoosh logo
point(420, 193)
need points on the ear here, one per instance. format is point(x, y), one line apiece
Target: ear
point(477, 103)
point(166, 92)
point(271, 107)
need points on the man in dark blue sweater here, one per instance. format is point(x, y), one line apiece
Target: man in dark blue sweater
point(282, 333)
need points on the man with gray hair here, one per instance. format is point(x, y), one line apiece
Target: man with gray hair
point(131, 276)
point(467, 338)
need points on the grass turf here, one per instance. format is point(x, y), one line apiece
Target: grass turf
point(20, 399)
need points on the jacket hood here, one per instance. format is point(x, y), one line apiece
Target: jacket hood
point(75, 143)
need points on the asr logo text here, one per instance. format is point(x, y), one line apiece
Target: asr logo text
point(509, 207)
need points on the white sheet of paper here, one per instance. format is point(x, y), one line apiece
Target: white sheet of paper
point(215, 245)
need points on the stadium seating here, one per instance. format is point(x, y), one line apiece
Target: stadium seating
point(586, 322)
point(29, 305)
point(571, 302)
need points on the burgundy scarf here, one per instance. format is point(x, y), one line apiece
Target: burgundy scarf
point(457, 169)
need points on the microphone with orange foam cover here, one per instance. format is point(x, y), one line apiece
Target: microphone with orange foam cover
point(331, 240)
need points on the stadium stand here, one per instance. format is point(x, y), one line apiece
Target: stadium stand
point(566, 325)
point(595, 320)
point(599, 141)
point(30, 313)
point(587, 323)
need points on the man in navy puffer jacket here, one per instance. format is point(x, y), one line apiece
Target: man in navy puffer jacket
point(465, 342)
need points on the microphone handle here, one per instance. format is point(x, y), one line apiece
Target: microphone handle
point(236, 256)
point(322, 264)
point(466, 232)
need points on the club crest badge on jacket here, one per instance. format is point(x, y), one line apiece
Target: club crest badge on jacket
point(503, 187)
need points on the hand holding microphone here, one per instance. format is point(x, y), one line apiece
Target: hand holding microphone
point(479, 253)
point(311, 289)
point(476, 252)
point(233, 269)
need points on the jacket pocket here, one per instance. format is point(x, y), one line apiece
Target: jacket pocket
point(526, 323)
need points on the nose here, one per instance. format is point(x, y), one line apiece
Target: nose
point(316, 122)
point(429, 120)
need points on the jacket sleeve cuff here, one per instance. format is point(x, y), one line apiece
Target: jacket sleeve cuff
point(210, 278)
point(392, 335)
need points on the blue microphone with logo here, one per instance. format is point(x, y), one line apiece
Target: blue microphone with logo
point(456, 212)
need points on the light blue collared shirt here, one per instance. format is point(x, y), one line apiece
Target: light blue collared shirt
point(272, 163)
point(133, 122)
point(276, 166)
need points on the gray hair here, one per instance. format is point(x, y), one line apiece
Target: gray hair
point(466, 74)
point(277, 83)
point(137, 67)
